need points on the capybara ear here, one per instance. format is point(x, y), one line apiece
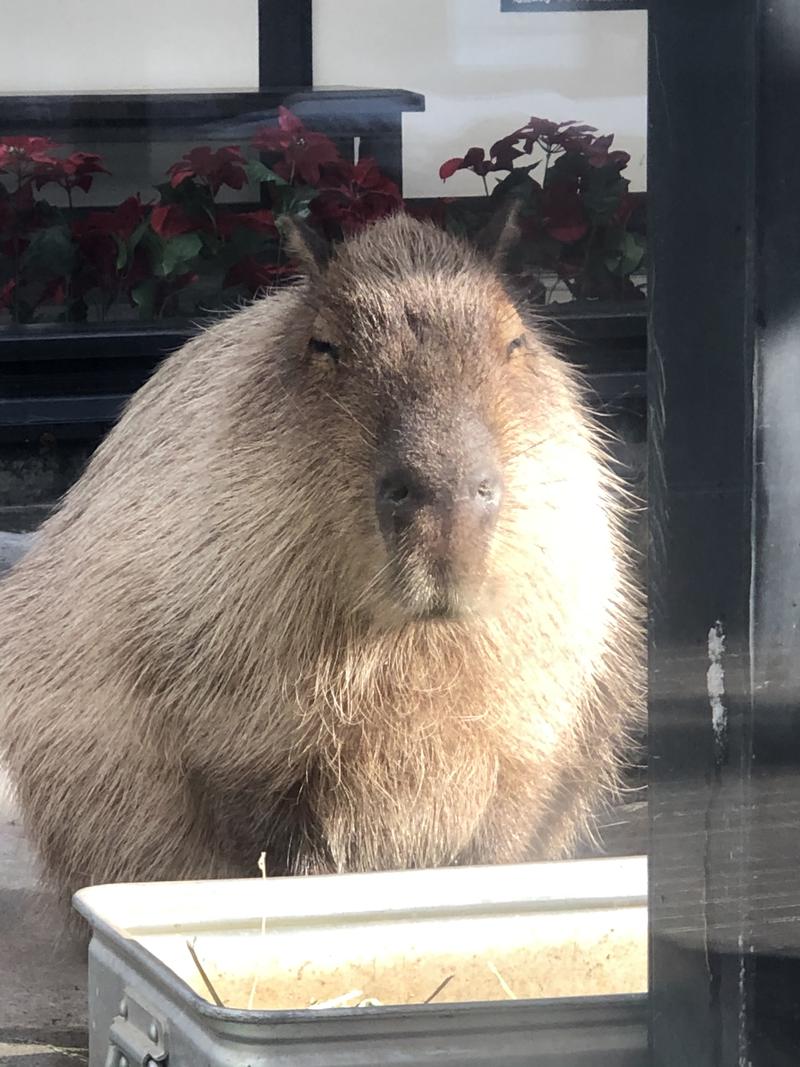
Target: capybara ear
point(501, 232)
point(304, 245)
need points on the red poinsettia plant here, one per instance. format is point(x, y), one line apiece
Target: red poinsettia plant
point(80, 264)
point(582, 227)
point(339, 195)
point(34, 237)
point(191, 247)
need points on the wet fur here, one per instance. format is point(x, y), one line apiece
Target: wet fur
point(201, 653)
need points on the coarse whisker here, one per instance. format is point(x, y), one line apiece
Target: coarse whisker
point(370, 586)
point(370, 437)
point(529, 448)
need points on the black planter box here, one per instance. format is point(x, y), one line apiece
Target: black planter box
point(76, 380)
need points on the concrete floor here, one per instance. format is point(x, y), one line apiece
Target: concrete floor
point(42, 970)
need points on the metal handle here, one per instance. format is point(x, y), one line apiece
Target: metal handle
point(130, 1047)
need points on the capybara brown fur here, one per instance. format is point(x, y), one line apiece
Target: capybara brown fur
point(345, 584)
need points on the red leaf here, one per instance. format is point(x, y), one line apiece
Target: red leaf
point(254, 276)
point(353, 195)
point(620, 160)
point(568, 234)
point(563, 215)
point(368, 176)
point(536, 128)
point(75, 172)
point(260, 221)
point(7, 293)
point(449, 167)
point(623, 213)
point(225, 166)
point(18, 153)
point(54, 292)
point(170, 220)
point(306, 155)
point(475, 160)
point(121, 222)
point(271, 139)
point(128, 215)
point(84, 163)
point(304, 151)
point(15, 246)
point(474, 157)
point(289, 122)
point(179, 172)
point(504, 152)
point(22, 198)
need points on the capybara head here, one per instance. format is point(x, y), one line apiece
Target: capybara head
point(430, 401)
point(346, 583)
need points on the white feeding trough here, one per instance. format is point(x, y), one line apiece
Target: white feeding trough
point(535, 964)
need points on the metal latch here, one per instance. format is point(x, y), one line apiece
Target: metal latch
point(137, 1038)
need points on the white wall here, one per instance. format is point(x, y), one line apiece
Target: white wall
point(121, 45)
point(484, 73)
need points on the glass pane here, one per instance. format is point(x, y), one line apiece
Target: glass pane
point(142, 200)
point(106, 216)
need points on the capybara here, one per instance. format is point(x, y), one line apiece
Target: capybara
point(345, 584)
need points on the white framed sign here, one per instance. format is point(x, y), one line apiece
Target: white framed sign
point(573, 5)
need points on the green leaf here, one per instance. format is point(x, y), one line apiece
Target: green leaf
point(257, 172)
point(178, 251)
point(624, 252)
point(50, 254)
point(25, 311)
point(190, 194)
point(125, 249)
point(209, 269)
point(152, 246)
point(144, 296)
point(137, 235)
point(602, 191)
point(292, 199)
point(212, 245)
point(517, 181)
point(48, 215)
point(566, 168)
point(122, 254)
point(248, 242)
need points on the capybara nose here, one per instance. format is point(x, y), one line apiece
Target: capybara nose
point(481, 493)
point(402, 494)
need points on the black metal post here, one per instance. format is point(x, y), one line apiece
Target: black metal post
point(284, 44)
point(724, 389)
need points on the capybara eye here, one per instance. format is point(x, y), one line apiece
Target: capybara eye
point(515, 345)
point(325, 348)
